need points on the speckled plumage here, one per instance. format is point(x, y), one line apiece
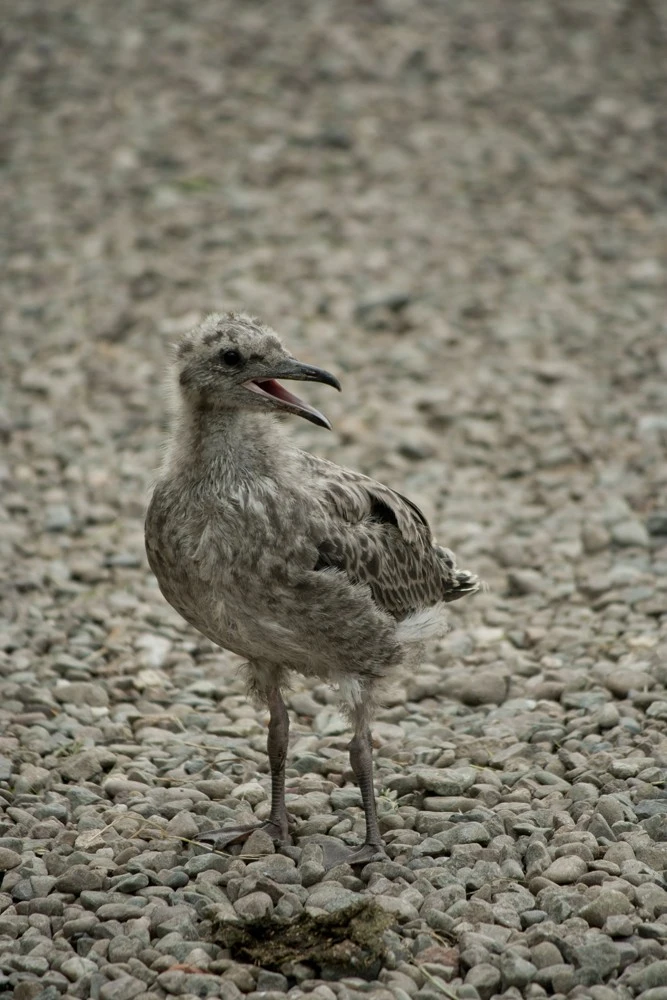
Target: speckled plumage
point(279, 556)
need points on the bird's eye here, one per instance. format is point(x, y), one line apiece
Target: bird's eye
point(231, 357)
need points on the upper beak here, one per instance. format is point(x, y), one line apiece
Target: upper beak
point(298, 371)
point(293, 370)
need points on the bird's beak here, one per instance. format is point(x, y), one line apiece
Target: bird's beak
point(291, 369)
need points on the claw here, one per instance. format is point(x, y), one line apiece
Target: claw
point(333, 855)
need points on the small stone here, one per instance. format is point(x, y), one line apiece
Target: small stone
point(516, 971)
point(622, 682)
point(184, 825)
point(254, 906)
point(478, 688)
point(87, 764)
point(607, 717)
point(124, 988)
point(131, 883)
point(524, 581)
point(76, 968)
point(651, 976)
point(8, 859)
point(120, 911)
point(566, 870)
point(277, 867)
point(630, 533)
point(485, 978)
point(596, 957)
point(446, 780)
point(608, 903)
point(81, 693)
point(258, 843)
point(531, 917)
point(594, 537)
point(545, 954)
point(215, 788)
point(78, 878)
point(271, 981)
point(612, 810)
point(250, 791)
point(618, 926)
point(656, 523)
point(560, 978)
point(58, 517)
point(398, 907)
point(464, 833)
point(330, 897)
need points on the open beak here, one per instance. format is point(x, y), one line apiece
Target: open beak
point(293, 370)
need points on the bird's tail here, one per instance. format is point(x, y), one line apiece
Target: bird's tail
point(461, 583)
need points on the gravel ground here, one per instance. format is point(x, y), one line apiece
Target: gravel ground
point(460, 209)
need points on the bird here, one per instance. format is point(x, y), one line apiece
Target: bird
point(287, 559)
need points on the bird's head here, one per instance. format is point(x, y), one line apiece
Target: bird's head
point(233, 362)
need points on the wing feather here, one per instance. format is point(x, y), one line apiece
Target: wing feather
point(381, 538)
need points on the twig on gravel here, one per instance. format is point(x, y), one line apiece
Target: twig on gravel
point(163, 835)
point(438, 983)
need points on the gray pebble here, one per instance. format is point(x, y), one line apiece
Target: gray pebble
point(267, 981)
point(607, 903)
point(8, 859)
point(125, 988)
point(485, 978)
point(446, 781)
point(516, 971)
point(254, 906)
point(652, 975)
point(79, 878)
point(564, 871)
point(629, 533)
point(330, 897)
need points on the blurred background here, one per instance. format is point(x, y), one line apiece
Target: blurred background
point(459, 208)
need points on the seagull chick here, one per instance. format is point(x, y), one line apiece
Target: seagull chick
point(286, 559)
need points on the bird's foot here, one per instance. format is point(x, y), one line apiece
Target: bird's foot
point(333, 855)
point(224, 836)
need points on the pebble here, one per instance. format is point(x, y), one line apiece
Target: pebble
point(564, 871)
point(630, 532)
point(608, 903)
point(330, 897)
point(516, 971)
point(8, 859)
point(484, 688)
point(79, 878)
point(651, 976)
point(446, 781)
point(254, 906)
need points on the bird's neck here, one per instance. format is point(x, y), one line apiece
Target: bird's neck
point(223, 445)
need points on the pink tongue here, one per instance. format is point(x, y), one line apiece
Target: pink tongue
point(274, 388)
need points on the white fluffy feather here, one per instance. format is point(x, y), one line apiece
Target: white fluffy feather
point(428, 623)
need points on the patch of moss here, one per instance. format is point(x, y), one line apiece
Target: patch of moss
point(347, 943)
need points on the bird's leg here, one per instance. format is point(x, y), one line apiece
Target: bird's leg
point(361, 759)
point(276, 745)
point(276, 826)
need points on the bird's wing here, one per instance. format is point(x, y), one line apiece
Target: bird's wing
point(380, 538)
